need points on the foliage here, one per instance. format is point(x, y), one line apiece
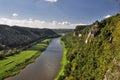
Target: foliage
point(63, 62)
point(11, 65)
point(91, 61)
point(17, 38)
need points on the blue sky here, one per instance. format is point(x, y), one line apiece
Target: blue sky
point(57, 11)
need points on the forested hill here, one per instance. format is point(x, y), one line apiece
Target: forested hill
point(94, 51)
point(61, 31)
point(17, 37)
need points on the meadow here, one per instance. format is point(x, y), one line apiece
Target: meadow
point(13, 64)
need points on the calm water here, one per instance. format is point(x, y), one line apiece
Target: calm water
point(46, 66)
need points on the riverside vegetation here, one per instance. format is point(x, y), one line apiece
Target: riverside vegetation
point(95, 54)
point(63, 61)
point(13, 64)
point(20, 46)
point(14, 39)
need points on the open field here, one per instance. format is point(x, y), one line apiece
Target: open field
point(13, 64)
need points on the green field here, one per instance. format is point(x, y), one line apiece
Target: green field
point(13, 64)
point(63, 62)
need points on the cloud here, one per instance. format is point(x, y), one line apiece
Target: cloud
point(38, 23)
point(51, 1)
point(14, 14)
point(107, 16)
point(65, 23)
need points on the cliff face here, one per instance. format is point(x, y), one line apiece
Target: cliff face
point(78, 29)
point(96, 54)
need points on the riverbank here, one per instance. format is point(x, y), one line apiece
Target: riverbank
point(13, 64)
point(63, 61)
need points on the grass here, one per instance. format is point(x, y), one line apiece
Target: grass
point(46, 41)
point(13, 64)
point(63, 62)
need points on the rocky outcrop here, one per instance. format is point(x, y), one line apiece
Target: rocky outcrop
point(113, 73)
point(78, 29)
point(93, 31)
point(99, 59)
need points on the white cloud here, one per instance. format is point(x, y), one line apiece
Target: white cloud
point(14, 14)
point(37, 23)
point(65, 23)
point(30, 19)
point(107, 16)
point(51, 1)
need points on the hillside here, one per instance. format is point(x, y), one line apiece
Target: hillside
point(15, 38)
point(61, 31)
point(94, 51)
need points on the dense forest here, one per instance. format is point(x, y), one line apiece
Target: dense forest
point(93, 51)
point(60, 31)
point(14, 38)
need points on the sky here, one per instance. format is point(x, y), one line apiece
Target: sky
point(56, 13)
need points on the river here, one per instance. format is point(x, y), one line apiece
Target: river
point(46, 66)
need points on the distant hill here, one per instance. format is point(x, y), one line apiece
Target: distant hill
point(18, 37)
point(94, 51)
point(60, 31)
